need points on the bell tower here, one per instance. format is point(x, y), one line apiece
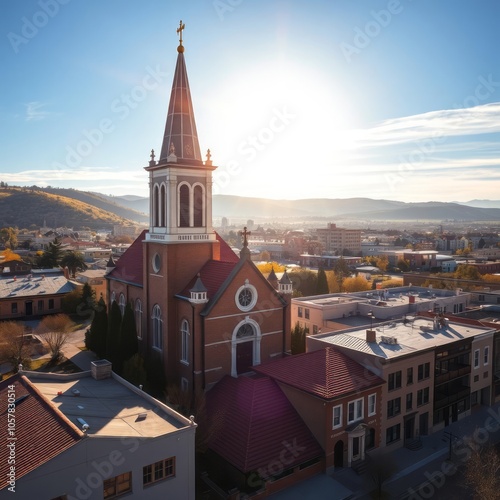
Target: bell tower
point(180, 182)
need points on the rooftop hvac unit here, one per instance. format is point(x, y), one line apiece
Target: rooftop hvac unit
point(389, 340)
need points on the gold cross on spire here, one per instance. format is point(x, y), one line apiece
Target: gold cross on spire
point(179, 30)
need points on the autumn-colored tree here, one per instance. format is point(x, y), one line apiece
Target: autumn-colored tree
point(334, 282)
point(467, 272)
point(266, 267)
point(14, 345)
point(8, 237)
point(356, 284)
point(382, 262)
point(8, 255)
point(392, 283)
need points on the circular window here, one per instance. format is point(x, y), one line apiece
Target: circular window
point(156, 262)
point(246, 297)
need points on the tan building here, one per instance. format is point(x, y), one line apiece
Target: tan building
point(336, 239)
point(429, 367)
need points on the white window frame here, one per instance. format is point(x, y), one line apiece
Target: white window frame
point(372, 405)
point(138, 318)
point(185, 342)
point(339, 416)
point(122, 303)
point(358, 404)
point(476, 359)
point(486, 355)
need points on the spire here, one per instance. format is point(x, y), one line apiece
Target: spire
point(272, 278)
point(180, 130)
point(245, 252)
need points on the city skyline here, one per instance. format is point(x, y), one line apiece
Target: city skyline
point(389, 99)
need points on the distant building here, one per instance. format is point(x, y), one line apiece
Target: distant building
point(132, 231)
point(336, 239)
point(35, 294)
point(94, 436)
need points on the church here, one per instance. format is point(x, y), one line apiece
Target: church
point(200, 309)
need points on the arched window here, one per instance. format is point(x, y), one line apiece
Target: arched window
point(138, 318)
point(157, 327)
point(163, 206)
point(156, 207)
point(245, 347)
point(113, 297)
point(184, 206)
point(185, 342)
point(121, 304)
point(198, 207)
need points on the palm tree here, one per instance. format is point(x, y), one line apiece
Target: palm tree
point(73, 261)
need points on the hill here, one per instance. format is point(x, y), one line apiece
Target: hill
point(23, 207)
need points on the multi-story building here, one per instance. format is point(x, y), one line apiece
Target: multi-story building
point(338, 311)
point(430, 365)
point(336, 239)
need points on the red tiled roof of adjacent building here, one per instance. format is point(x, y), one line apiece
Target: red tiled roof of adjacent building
point(327, 373)
point(253, 425)
point(41, 431)
point(129, 267)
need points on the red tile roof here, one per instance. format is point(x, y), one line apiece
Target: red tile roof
point(129, 266)
point(42, 432)
point(253, 426)
point(213, 274)
point(326, 373)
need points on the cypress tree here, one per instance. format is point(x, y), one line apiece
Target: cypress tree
point(128, 333)
point(95, 337)
point(322, 283)
point(114, 351)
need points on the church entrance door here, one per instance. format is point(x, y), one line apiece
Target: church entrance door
point(244, 357)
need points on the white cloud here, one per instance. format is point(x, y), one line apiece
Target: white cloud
point(34, 111)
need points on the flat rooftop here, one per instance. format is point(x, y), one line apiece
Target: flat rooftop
point(31, 285)
point(389, 297)
point(108, 406)
point(397, 338)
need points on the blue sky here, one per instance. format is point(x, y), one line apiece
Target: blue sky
point(394, 99)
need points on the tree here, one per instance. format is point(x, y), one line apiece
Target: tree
point(52, 256)
point(356, 284)
point(73, 261)
point(15, 347)
point(404, 265)
point(114, 351)
point(322, 283)
point(298, 339)
point(88, 298)
point(53, 330)
point(467, 272)
point(95, 336)
point(482, 473)
point(9, 255)
point(8, 237)
point(304, 282)
point(128, 333)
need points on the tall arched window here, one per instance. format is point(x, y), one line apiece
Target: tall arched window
point(138, 318)
point(157, 327)
point(185, 342)
point(184, 206)
point(163, 206)
point(198, 207)
point(113, 297)
point(156, 207)
point(121, 303)
point(245, 347)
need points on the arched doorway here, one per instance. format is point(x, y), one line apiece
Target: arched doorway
point(245, 347)
point(338, 454)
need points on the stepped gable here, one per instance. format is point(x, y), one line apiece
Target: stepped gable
point(129, 268)
point(252, 422)
point(326, 373)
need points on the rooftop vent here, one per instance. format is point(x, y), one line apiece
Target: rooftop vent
point(101, 369)
point(389, 340)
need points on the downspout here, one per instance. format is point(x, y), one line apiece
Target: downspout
point(192, 353)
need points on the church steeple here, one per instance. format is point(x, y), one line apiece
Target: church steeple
point(180, 137)
point(180, 182)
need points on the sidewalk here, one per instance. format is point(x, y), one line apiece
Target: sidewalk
point(482, 426)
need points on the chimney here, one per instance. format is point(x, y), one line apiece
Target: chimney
point(411, 299)
point(101, 369)
point(371, 336)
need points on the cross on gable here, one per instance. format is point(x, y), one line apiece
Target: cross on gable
point(245, 233)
